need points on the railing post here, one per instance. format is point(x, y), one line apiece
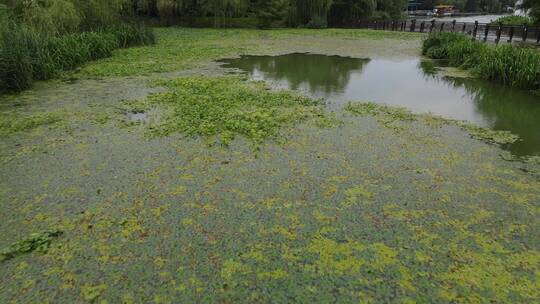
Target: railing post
point(442, 27)
point(422, 25)
point(432, 26)
point(525, 31)
point(464, 27)
point(499, 30)
point(475, 30)
point(413, 25)
point(454, 25)
point(486, 32)
point(510, 34)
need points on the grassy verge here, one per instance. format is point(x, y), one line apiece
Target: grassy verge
point(506, 64)
point(27, 55)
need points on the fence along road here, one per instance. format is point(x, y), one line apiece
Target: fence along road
point(482, 31)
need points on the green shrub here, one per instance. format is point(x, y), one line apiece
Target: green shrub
point(510, 65)
point(220, 22)
point(317, 23)
point(130, 35)
point(513, 20)
point(380, 16)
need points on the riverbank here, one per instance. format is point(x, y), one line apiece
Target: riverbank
point(356, 204)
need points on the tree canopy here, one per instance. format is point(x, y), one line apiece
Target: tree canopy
point(61, 16)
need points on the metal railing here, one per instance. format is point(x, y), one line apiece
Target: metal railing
point(482, 31)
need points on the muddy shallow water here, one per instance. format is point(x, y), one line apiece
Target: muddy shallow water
point(411, 83)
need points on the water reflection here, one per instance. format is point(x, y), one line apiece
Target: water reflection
point(314, 73)
point(504, 109)
point(413, 84)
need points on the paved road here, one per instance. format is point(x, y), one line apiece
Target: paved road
point(480, 19)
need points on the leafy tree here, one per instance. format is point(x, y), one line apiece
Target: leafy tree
point(312, 13)
point(347, 12)
point(472, 6)
point(534, 6)
point(426, 5)
point(492, 6)
point(394, 8)
point(269, 12)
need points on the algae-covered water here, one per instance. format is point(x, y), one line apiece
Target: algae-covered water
point(198, 186)
point(415, 84)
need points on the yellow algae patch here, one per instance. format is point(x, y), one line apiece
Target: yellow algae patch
point(355, 195)
point(335, 258)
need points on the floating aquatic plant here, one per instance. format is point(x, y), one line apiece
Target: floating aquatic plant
point(35, 242)
point(228, 106)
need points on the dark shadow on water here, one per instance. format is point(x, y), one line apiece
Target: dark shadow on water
point(414, 84)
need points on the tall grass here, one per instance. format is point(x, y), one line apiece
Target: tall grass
point(507, 64)
point(15, 60)
point(27, 54)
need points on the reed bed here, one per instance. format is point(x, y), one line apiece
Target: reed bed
point(27, 55)
point(510, 65)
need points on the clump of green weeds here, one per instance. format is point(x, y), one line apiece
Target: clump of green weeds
point(388, 115)
point(492, 136)
point(10, 124)
point(370, 108)
point(229, 106)
point(35, 242)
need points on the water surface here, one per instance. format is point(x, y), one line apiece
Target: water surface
point(414, 84)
